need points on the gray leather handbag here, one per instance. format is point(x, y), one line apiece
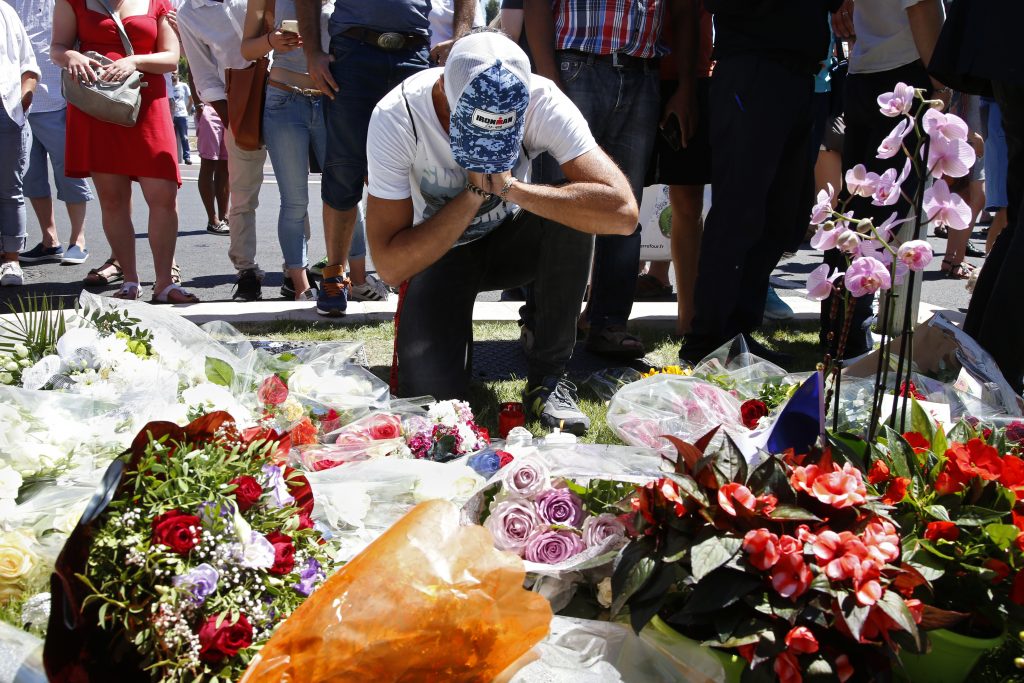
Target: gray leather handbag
point(113, 102)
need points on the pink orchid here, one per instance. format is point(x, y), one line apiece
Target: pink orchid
point(902, 270)
point(893, 142)
point(950, 157)
point(823, 209)
point(861, 182)
point(946, 208)
point(949, 126)
point(898, 102)
point(876, 250)
point(820, 283)
point(827, 236)
point(887, 191)
point(867, 275)
point(849, 242)
point(888, 225)
point(916, 254)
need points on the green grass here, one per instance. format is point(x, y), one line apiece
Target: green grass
point(798, 340)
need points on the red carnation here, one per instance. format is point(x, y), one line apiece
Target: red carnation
point(247, 491)
point(217, 643)
point(751, 411)
point(946, 531)
point(284, 553)
point(304, 433)
point(177, 531)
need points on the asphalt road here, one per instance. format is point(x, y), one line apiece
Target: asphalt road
point(207, 271)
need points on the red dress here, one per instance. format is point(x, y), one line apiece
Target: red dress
point(146, 150)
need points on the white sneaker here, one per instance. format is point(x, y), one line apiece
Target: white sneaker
point(11, 275)
point(372, 290)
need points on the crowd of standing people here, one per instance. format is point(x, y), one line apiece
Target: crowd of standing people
point(449, 150)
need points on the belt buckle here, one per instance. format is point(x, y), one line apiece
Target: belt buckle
point(615, 60)
point(390, 41)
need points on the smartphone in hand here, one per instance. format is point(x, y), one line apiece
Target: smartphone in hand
point(290, 26)
point(672, 133)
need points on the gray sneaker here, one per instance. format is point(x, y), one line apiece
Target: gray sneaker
point(11, 275)
point(373, 289)
point(74, 255)
point(554, 403)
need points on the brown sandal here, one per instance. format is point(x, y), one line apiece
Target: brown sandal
point(957, 271)
point(96, 278)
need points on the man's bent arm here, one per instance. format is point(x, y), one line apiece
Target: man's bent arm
point(540, 27)
point(465, 13)
point(401, 249)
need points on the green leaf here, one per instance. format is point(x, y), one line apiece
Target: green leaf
point(770, 477)
point(634, 568)
point(939, 443)
point(219, 372)
point(711, 553)
point(901, 455)
point(852, 448)
point(1003, 535)
point(855, 615)
point(892, 604)
point(719, 589)
point(689, 487)
point(973, 515)
point(962, 432)
point(938, 512)
point(729, 463)
point(920, 421)
point(647, 601)
point(793, 512)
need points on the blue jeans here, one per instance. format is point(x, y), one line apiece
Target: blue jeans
point(15, 143)
point(48, 133)
point(181, 130)
point(622, 107)
point(364, 74)
point(293, 125)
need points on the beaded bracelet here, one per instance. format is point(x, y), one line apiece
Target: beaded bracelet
point(478, 191)
point(506, 187)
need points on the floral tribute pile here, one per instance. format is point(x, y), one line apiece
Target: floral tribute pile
point(790, 564)
point(205, 548)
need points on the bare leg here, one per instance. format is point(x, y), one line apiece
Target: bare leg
point(206, 184)
point(221, 188)
point(115, 195)
point(43, 207)
point(76, 216)
point(659, 269)
point(162, 197)
point(829, 169)
point(338, 226)
point(299, 280)
point(956, 241)
point(357, 270)
point(998, 223)
point(687, 224)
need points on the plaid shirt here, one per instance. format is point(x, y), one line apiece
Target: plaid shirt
point(632, 27)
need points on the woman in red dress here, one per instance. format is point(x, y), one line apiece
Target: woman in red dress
point(116, 155)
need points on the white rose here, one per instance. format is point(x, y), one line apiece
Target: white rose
point(10, 366)
point(6, 378)
point(20, 350)
point(17, 560)
point(449, 482)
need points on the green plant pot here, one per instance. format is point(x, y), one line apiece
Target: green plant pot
point(732, 665)
point(951, 659)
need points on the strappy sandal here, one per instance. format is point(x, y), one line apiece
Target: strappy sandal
point(179, 294)
point(129, 291)
point(176, 274)
point(956, 271)
point(616, 342)
point(96, 278)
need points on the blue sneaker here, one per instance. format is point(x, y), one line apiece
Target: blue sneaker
point(775, 308)
point(75, 255)
point(41, 254)
point(333, 297)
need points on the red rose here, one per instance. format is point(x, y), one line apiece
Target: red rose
point(247, 491)
point(385, 427)
point(751, 411)
point(917, 442)
point(504, 458)
point(304, 521)
point(878, 473)
point(1015, 432)
point(945, 531)
point(896, 491)
point(326, 464)
point(177, 531)
point(272, 392)
point(304, 433)
point(284, 553)
point(300, 489)
point(218, 643)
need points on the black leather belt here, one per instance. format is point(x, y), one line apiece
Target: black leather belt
point(616, 59)
point(387, 40)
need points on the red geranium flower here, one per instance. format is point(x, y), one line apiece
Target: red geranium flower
point(839, 488)
point(217, 643)
point(802, 641)
point(787, 668)
point(247, 491)
point(1013, 475)
point(945, 531)
point(177, 531)
point(790, 576)
point(763, 548)
point(751, 411)
point(947, 484)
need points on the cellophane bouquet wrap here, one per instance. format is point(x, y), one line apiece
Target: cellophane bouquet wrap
point(430, 600)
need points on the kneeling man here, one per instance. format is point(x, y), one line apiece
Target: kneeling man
point(452, 211)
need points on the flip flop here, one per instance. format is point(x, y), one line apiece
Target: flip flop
point(129, 291)
point(164, 297)
point(94, 278)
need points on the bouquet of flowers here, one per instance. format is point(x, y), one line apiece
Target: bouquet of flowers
point(957, 501)
point(791, 564)
point(204, 549)
point(445, 432)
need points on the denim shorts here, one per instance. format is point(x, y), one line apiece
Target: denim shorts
point(48, 140)
point(364, 74)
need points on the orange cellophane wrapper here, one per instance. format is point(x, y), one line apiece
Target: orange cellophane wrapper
point(430, 600)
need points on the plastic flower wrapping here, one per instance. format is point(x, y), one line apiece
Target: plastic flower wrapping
point(204, 547)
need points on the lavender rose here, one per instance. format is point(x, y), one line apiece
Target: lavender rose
point(560, 506)
point(553, 547)
point(201, 581)
point(598, 530)
point(525, 477)
point(511, 523)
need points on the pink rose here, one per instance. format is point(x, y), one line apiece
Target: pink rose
point(383, 427)
point(866, 275)
point(272, 391)
point(917, 254)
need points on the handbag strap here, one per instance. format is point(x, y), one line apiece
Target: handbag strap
point(125, 40)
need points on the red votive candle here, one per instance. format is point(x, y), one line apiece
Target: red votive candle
point(510, 417)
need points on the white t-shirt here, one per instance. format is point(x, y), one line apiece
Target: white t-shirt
point(442, 16)
point(179, 95)
point(404, 164)
point(884, 41)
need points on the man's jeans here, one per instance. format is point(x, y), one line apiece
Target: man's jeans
point(181, 131)
point(245, 178)
point(435, 333)
point(15, 143)
point(292, 125)
point(622, 107)
point(364, 74)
